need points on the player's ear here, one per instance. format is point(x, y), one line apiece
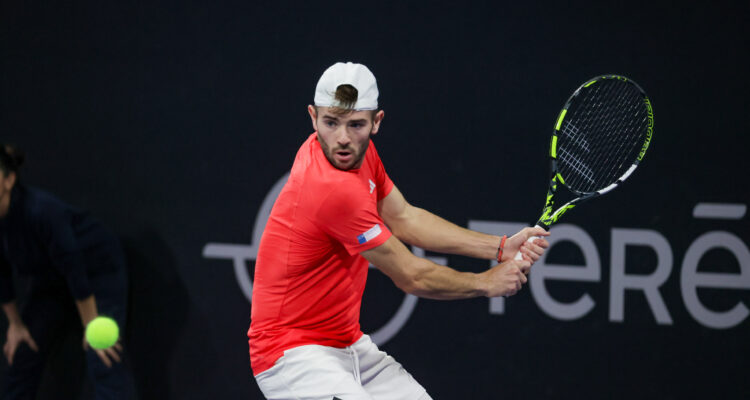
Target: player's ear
point(313, 116)
point(376, 121)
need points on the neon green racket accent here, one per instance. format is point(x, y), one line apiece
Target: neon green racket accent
point(560, 178)
point(547, 219)
point(545, 216)
point(553, 147)
point(544, 220)
point(560, 119)
point(649, 129)
point(589, 84)
point(559, 213)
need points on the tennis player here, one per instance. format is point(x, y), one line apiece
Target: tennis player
point(339, 210)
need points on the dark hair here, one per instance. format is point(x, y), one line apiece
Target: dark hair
point(346, 96)
point(11, 159)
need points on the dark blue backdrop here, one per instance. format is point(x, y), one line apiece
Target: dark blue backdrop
point(171, 121)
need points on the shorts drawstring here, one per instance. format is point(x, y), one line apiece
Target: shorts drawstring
point(355, 362)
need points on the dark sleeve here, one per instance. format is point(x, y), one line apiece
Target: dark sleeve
point(56, 232)
point(6, 281)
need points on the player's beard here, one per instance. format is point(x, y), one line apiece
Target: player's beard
point(357, 154)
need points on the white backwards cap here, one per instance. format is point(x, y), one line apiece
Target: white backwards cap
point(356, 75)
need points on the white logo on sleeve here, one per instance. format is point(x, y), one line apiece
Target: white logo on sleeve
point(371, 233)
point(372, 185)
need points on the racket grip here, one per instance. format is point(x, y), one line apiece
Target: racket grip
point(518, 255)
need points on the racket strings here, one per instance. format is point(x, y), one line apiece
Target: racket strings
point(632, 106)
point(578, 166)
point(617, 153)
point(633, 115)
point(600, 138)
point(615, 133)
point(602, 150)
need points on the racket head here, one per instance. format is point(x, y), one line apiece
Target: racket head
point(601, 135)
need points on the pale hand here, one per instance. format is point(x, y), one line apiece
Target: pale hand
point(527, 244)
point(17, 334)
point(111, 353)
point(507, 278)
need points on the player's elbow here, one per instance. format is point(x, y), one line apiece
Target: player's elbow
point(415, 282)
point(409, 286)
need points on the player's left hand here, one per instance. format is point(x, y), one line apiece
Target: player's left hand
point(107, 355)
point(530, 251)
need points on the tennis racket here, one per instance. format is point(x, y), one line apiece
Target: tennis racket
point(600, 137)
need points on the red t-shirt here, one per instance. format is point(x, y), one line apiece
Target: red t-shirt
point(309, 275)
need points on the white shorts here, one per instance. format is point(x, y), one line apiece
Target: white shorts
point(357, 372)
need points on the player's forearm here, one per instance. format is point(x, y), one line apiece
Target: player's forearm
point(11, 312)
point(87, 309)
point(434, 281)
point(430, 232)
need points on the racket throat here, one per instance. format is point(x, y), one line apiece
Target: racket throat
point(549, 219)
point(548, 211)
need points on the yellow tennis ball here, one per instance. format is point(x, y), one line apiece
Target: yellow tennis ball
point(102, 332)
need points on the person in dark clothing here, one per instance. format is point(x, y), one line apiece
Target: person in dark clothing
point(69, 258)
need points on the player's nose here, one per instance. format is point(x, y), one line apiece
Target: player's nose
point(342, 137)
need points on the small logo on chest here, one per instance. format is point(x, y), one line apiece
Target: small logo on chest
point(372, 185)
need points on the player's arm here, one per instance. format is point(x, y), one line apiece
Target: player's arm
point(17, 332)
point(422, 277)
point(56, 233)
point(61, 244)
point(87, 309)
point(424, 229)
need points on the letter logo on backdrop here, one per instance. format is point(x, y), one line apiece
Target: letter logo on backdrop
point(691, 279)
point(647, 284)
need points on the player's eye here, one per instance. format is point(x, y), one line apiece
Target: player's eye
point(330, 123)
point(357, 125)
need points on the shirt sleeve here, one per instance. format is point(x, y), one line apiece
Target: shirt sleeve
point(6, 280)
point(56, 233)
point(382, 180)
point(350, 216)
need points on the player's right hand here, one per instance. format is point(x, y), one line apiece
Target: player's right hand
point(108, 355)
point(530, 250)
point(506, 279)
point(17, 333)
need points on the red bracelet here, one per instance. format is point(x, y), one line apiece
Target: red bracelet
point(500, 249)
